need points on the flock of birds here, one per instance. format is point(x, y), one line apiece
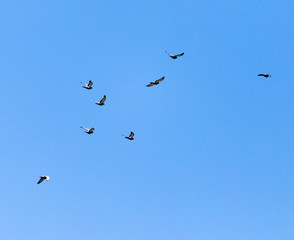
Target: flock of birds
point(101, 103)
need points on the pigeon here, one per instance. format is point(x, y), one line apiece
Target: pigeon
point(131, 136)
point(89, 131)
point(264, 75)
point(155, 83)
point(175, 56)
point(88, 86)
point(101, 103)
point(42, 178)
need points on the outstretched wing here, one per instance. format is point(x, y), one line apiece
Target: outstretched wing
point(131, 135)
point(159, 80)
point(91, 130)
point(169, 54)
point(150, 84)
point(179, 55)
point(261, 75)
point(103, 99)
point(90, 83)
point(85, 128)
point(41, 180)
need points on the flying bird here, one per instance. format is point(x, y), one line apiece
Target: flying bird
point(88, 86)
point(155, 83)
point(101, 103)
point(264, 75)
point(130, 137)
point(175, 56)
point(89, 131)
point(42, 178)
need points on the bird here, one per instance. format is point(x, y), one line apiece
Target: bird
point(175, 56)
point(89, 131)
point(88, 86)
point(42, 178)
point(101, 103)
point(155, 83)
point(130, 137)
point(264, 75)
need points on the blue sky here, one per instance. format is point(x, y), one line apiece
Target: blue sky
point(213, 150)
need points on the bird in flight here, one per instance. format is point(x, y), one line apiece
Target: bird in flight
point(89, 131)
point(155, 83)
point(264, 75)
point(130, 137)
point(88, 86)
point(175, 56)
point(101, 103)
point(42, 178)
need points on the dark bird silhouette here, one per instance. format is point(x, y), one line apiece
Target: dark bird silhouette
point(130, 137)
point(175, 56)
point(89, 131)
point(264, 75)
point(155, 83)
point(42, 178)
point(101, 103)
point(88, 86)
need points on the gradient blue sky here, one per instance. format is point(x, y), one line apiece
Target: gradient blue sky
point(213, 150)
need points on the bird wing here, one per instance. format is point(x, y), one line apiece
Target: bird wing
point(91, 130)
point(131, 135)
point(103, 99)
point(159, 80)
point(261, 75)
point(150, 84)
point(85, 128)
point(169, 54)
point(90, 83)
point(179, 55)
point(41, 180)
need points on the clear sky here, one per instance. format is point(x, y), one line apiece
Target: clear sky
point(213, 151)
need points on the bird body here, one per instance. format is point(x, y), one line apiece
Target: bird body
point(101, 103)
point(175, 56)
point(88, 86)
point(42, 178)
point(155, 83)
point(88, 131)
point(264, 75)
point(131, 136)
